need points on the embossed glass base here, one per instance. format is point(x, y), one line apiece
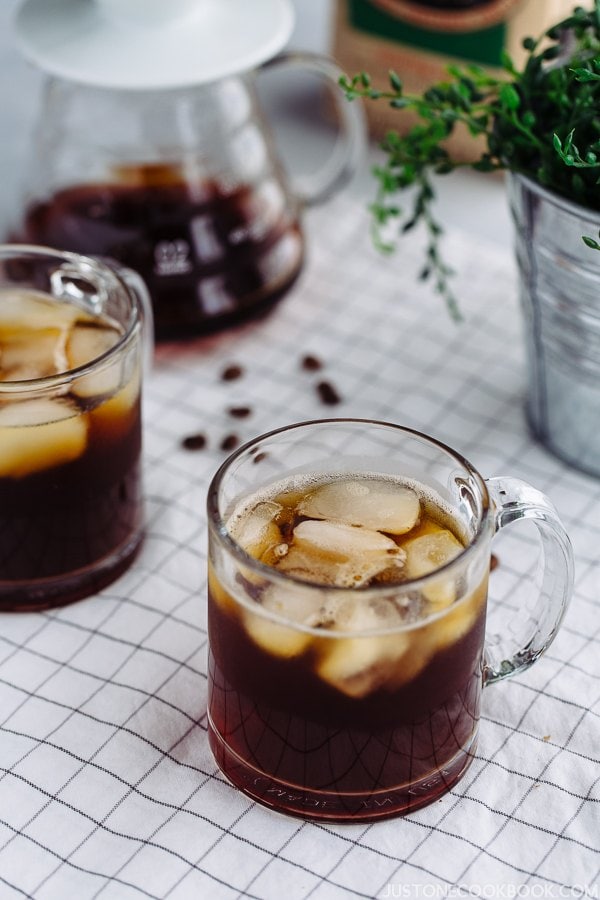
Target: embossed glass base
point(335, 806)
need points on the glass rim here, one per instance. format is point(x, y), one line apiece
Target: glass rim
point(217, 526)
point(103, 268)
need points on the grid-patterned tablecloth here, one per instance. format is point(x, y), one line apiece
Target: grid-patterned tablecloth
point(107, 785)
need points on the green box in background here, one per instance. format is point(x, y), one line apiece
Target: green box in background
point(482, 45)
point(419, 39)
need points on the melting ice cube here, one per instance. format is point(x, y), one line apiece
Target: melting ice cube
point(291, 601)
point(38, 434)
point(301, 606)
point(32, 353)
point(33, 334)
point(457, 621)
point(379, 505)
point(427, 553)
point(339, 554)
point(28, 309)
point(257, 532)
point(87, 341)
point(276, 638)
point(116, 409)
point(358, 665)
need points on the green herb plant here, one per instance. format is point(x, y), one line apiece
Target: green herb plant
point(542, 121)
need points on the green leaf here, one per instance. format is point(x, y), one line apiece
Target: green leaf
point(584, 76)
point(395, 81)
point(506, 61)
point(509, 96)
point(590, 242)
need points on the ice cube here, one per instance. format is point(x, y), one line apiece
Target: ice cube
point(276, 638)
point(32, 353)
point(23, 310)
point(356, 666)
point(457, 621)
point(378, 505)
point(304, 606)
point(116, 410)
point(314, 568)
point(218, 594)
point(339, 554)
point(279, 640)
point(291, 602)
point(39, 434)
point(343, 541)
point(87, 341)
point(257, 532)
point(427, 553)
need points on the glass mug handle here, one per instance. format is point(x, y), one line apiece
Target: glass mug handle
point(66, 281)
point(513, 500)
point(350, 146)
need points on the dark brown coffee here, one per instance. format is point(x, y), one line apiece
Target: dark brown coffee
point(210, 256)
point(70, 479)
point(363, 706)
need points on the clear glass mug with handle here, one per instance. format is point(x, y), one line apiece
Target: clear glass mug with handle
point(74, 335)
point(347, 592)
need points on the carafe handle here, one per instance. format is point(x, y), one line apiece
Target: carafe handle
point(350, 146)
point(514, 500)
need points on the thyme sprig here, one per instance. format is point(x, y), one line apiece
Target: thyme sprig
point(528, 121)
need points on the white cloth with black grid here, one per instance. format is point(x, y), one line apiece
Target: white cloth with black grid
point(107, 785)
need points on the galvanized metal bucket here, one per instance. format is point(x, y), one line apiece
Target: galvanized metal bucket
point(560, 297)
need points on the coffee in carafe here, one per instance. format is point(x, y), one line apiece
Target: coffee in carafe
point(210, 256)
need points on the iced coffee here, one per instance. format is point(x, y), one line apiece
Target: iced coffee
point(70, 438)
point(345, 684)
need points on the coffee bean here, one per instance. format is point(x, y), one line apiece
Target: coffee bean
point(311, 363)
point(194, 442)
point(260, 456)
point(328, 394)
point(230, 442)
point(230, 373)
point(239, 412)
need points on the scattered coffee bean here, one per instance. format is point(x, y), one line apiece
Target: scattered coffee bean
point(494, 562)
point(311, 363)
point(194, 442)
point(239, 412)
point(231, 373)
point(230, 442)
point(260, 456)
point(328, 394)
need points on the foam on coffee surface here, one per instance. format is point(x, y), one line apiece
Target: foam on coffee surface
point(41, 337)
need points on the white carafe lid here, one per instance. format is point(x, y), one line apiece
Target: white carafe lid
point(149, 44)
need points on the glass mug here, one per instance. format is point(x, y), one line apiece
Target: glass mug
point(342, 703)
point(71, 359)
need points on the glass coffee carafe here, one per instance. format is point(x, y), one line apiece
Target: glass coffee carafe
point(168, 165)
